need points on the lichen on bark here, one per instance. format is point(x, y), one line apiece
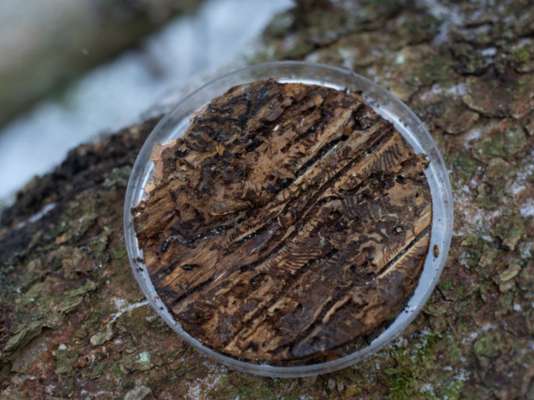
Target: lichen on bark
point(64, 275)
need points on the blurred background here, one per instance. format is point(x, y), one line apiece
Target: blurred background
point(73, 69)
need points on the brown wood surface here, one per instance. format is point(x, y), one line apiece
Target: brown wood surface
point(290, 222)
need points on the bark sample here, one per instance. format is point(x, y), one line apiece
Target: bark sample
point(289, 221)
point(72, 320)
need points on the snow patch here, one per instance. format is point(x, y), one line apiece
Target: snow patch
point(472, 135)
point(462, 375)
point(474, 217)
point(119, 303)
point(471, 337)
point(115, 94)
point(489, 52)
point(449, 15)
point(194, 392)
point(400, 59)
point(521, 179)
point(37, 216)
point(527, 209)
point(427, 388)
point(348, 56)
point(126, 308)
point(203, 386)
point(458, 90)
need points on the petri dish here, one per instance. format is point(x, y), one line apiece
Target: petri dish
point(413, 131)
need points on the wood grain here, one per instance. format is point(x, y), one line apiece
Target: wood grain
point(289, 224)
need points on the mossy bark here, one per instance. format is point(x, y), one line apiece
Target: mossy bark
point(74, 324)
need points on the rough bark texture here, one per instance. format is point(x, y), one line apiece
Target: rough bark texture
point(74, 323)
point(288, 225)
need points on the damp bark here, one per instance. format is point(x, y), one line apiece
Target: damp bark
point(290, 222)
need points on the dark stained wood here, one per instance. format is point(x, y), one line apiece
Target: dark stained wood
point(290, 223)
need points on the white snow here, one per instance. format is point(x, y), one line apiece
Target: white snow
point(37, 216)
point(124, 308)
point(427, 388)
point(115, 94)
point(521, 180)
point(449, 14)
point(527, 209)
point(472, 135)
point(204, 386)
point(489, 52)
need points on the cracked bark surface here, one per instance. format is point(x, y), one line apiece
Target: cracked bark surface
point(290, 222)
point(466, 69)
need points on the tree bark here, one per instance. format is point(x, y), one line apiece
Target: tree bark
point(272, 233)
point(74, 324)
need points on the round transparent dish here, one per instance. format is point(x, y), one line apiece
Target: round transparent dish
point(405, 121)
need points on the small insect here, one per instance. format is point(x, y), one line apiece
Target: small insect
point(435, 251)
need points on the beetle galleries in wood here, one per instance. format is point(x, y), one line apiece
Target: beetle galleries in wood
point(288, 225)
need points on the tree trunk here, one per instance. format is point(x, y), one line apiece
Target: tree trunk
point(46, 43)
point(74, 324)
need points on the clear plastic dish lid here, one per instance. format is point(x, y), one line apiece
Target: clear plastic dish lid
point(406, 122)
